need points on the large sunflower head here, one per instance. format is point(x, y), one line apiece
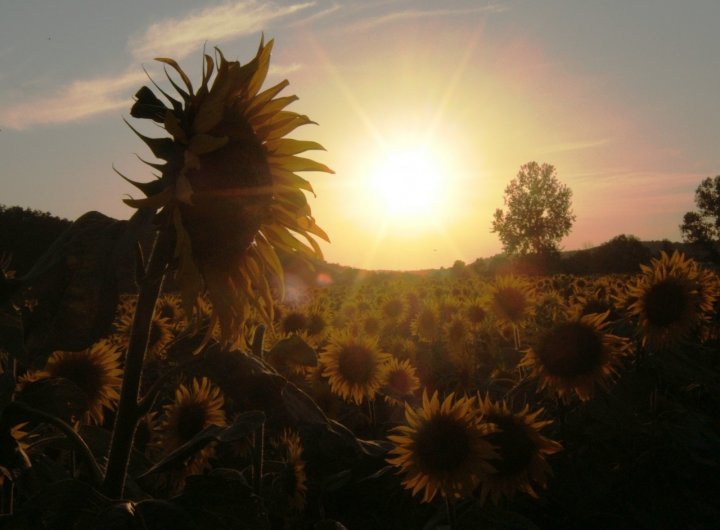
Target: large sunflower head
point(521, 450)
point(575, 354)
point(96, 371)
point(671, 298)
point(354, 366)
point(443, 447)
point(228, 188)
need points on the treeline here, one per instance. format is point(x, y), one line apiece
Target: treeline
point(621, 254)
point(25, 234)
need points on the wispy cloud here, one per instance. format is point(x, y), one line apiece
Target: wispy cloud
point(573, 146)
point(73, 102)
point(179, 37)
point(410, 14)
point(176, 37)
point(284, 69)
point(315, 16)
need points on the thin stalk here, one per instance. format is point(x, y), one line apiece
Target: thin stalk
point(258, 458)
point(451, 513)
point(127, 415)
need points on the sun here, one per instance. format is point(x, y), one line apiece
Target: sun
point(408, 184)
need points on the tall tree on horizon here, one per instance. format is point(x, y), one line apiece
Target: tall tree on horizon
point(538, 212)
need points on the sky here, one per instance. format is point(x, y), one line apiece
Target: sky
point(622, 98)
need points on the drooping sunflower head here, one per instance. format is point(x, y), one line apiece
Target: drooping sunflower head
point(521, 450)
point(671, 298)
point(96, 371)
point(228, 188)
point(443, 447)
point(354, 366)
point(575, 354)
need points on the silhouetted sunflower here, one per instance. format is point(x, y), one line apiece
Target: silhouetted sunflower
point(672, 298)
point(96, 371)
point(354, 366)
point(228, 188)
point(401, 381)
point(521, 450)
point(291, 483)
point(194, 408)
point(443, 448)
point(576, 354)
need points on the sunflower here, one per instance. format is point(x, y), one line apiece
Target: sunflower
point(96, 371)
point(672, 298)
point(575, 354)
point(354, 366)
point(443, 447)
point(168, 306)
point(195, 407)
point(401, 381)
point(160, 335)
point(511, 300)
point(228, 189)
point(293, 321)
point(371, 324)
point(426, 324)
point(458, 332)
point(521, 450)
point(475, 312)
point(292, 480)
point(393, 308)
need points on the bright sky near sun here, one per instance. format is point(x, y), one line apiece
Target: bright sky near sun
point(427, 109)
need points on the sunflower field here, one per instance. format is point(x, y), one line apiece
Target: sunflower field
point(206, 392)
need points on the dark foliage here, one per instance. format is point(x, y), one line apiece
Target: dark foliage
point(25, 234)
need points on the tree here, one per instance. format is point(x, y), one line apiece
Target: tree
point(703, 228)
point(538, 212)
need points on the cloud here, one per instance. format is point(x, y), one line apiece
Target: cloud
point(315, 16)
point(76, 101)
point(573, 146)
point(178, 37)
point(175, 37)
point(284, 69)
point(410, 14)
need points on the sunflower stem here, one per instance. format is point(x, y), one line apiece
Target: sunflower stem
point(259, 457)
point(451, 513)
point(127, 415)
